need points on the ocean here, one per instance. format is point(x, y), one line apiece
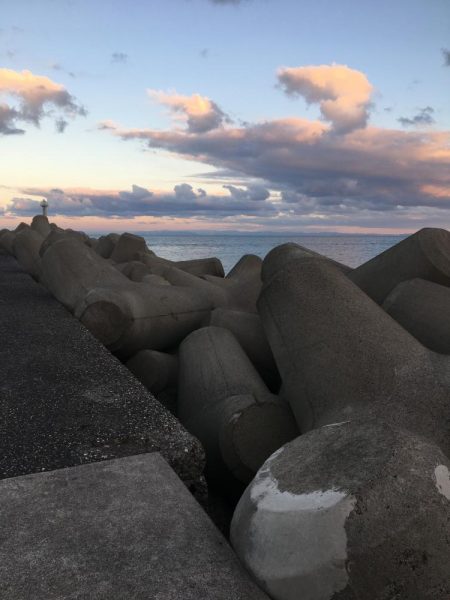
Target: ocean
point(351, 250)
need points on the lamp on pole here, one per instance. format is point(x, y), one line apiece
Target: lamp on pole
point(44, 205)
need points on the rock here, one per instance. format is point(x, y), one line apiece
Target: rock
point(248, 330)
point(41, 225)
point(155, 370)
point(422, 308)
point(201, 266)
point(425, 254)
point(340, 355)
point(125, 529)
point(225, 404)
point(354, 510)
point(27, 244)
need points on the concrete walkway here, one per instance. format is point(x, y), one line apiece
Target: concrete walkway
point(125, 529)
point(65, 400)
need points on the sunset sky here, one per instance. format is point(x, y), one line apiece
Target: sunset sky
point(251, 115)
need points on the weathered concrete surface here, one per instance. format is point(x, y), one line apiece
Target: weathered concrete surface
point(340, 355)
point(280, 256)
point(64, 399)
point(422, 308)
point(156, 370)
point(223, 401)
point(71, 269)
point(121, 529)
point(425, 254)
point(353, 511)
point(249, 332)
point(129, 247)
point(202, 266)
point(27, 244)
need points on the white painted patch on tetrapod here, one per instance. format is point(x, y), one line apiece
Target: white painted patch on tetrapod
point(295, 544)
point(442, 477)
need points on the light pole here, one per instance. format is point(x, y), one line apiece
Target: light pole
point(44, 205)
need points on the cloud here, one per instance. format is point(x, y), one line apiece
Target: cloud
point(8, 118)
point(59, 67)
point(446, 55)
point(367, 169)
point(61, 125)
point(423, 117)
point(318, 173)
point(183, 201)
point(34, 97)
point(119, 57)
point(343, 94)
point(200, 113)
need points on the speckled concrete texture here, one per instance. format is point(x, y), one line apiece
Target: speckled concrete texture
point(65, 400)
point(421, 307)
point(124, 529)
point(353, 511)
point(425, 254)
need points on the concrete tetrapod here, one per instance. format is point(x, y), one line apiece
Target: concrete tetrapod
point(41, 225)
point(202, 266)
point(129, 317)
point(278, 258)
point(249, 332)
point(422, 308)
point(425, 254)
point(339, 354)
point(58, 234)
point(156, 370)
point(106, 243)
point(354, 511)
point(247, 266)
point(134, 270)
point(225, 404)
point(7, 241)
point(27, 244)
point(175, 276)
point(129, 247)
point(70, 269)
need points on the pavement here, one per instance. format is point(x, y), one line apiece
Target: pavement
point(65, 400)
point(126, 529)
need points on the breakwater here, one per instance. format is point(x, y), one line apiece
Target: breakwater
point(323, 417)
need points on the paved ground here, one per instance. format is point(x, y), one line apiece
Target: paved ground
point(65, 400)
point(125, 529)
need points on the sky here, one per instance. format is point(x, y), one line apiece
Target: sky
point(226, 115)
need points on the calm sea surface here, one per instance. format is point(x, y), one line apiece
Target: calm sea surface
point(351, 250)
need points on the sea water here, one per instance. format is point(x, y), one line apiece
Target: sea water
point(351, 250)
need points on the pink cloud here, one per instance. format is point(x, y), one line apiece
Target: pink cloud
point(343, 94)
point(33, 97)
point(200, 113)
